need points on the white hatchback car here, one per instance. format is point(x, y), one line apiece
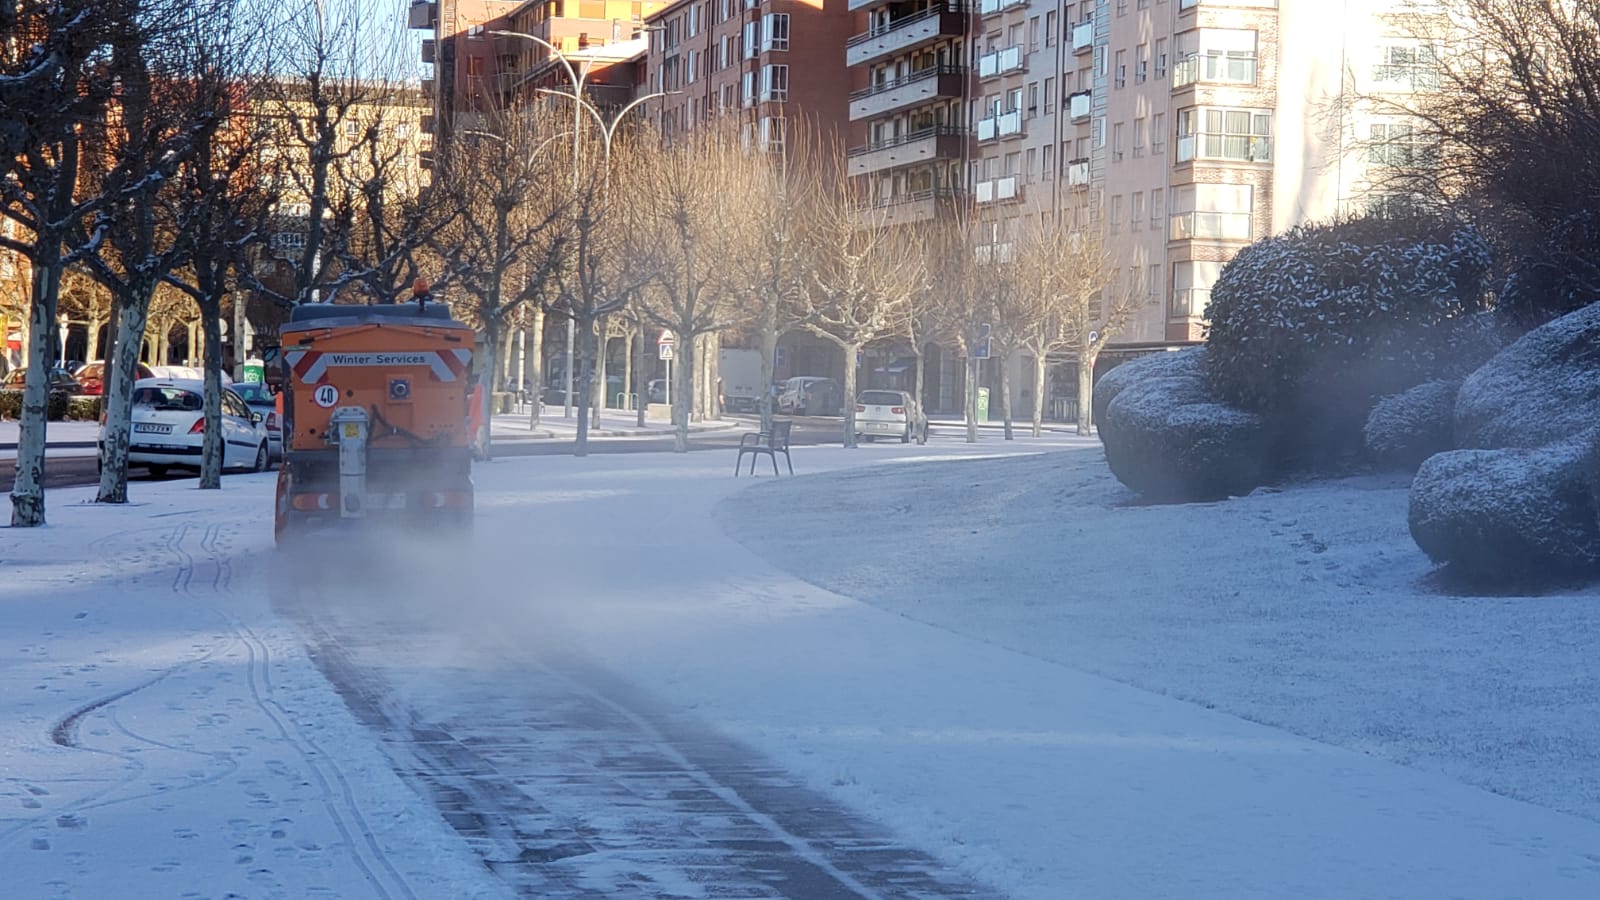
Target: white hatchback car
point(169, 428)
point(891, 414)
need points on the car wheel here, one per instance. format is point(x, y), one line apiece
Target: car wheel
point(159, 471)
point(261, 458)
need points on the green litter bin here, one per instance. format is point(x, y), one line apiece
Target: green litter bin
point(255, 370)
point(983, 404)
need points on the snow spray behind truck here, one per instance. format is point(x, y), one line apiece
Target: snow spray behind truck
point(375, 409)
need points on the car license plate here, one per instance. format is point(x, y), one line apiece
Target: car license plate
point(151, 428)
point(352, 430)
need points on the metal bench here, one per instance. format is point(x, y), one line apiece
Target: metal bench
point(770, 443)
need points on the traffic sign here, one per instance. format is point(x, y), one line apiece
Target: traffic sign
point(664, 345)
point(980, 347)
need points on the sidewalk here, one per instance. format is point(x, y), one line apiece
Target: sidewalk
point(78, 438)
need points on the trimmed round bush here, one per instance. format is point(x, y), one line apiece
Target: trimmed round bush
point(1310, 327)
point(1189, 362)
point(1542, 389)
point(1168, 439)
point(1515, 515)
point(1404, 429)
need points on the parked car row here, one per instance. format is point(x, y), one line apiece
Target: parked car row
point(88, 379)
point(169, 427)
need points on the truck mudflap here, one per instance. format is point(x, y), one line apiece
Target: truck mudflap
point(308, 500)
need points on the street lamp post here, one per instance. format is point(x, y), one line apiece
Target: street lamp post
point(579, 105)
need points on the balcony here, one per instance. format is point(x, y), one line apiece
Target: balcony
point(1083, 36)
point(992, 7)
point(922, 86)
point(1211, 226)
point(1237, 147)
point(1078, 105)
point(423, 14)
point(1078, 173)
point(997, 189)
point(859, 5)
point(427, 50)
point(924, 145)
point(1214, 68)
point(949, 21)
point(907, 209)
point(1000, 62)
point(1002, 126)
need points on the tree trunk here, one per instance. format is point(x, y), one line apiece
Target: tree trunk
point(627, 368)
point(972, 400)
point(599, 402)
point(27, 491)
point(506, 356)
point(93, 352)
point(1086, 362)
point(1005, 394)
point(521, 366)
point(917, 384)
point(132, 315)
point(850, 351)
point(583, 339)
point(769, 366)
point(641, 371)
point(682, 388)
point(487, 372)
point(211, 453)
point(536, 359)
point(1039, 370)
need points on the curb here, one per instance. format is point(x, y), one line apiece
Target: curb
point(59, 445)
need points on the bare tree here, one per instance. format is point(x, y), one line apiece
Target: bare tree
point(692, 230)
point(506, 248)
point(223, 206)
point(959, 296)
point(859, 272)
point(48, 92)
point(1063, 273)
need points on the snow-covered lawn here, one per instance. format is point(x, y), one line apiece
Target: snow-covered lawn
point(985, 647)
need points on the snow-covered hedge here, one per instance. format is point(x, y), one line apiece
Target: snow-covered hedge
point(1309, 327)
point(1404, 429)
point(1542, 389)
point(1189, 362)
point(1167, 438)
point(1510, 515)
point(1561, 276)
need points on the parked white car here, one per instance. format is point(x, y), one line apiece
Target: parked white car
point(890, 414)
point(169, 428)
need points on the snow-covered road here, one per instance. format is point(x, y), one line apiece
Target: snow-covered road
point(167, 732)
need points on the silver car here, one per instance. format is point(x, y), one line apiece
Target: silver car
point(887, 413)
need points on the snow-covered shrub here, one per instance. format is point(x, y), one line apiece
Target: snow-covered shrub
point(1562, 276)
point(1309, 327)
point(1510, 515)
point(1406, 428)
point(1168, 439)
point(1542, 389)
point(1190, 362)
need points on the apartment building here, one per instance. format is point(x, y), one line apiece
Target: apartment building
point(913, 86)
point(768, 61)
point(1187, 128)
point(482, 64)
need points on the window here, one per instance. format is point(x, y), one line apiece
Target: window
point(1152, 282)
point(1097, 132)
point(1136, 211)
point(1161, 57)
point(752, 39)
point(774, 83)
point(1050, 36)
point(1033, 99)
point(402, 130)
point(691, 25)
point(1400, 145)
point(1158, 134)
point(352, 128)
point(770, 134)
point(1141, 64)
point(1115, 224)
point(1158, 208)
point(1139, 130)
point(1238, 134)
point(1029, 167)
point(1047, 169)
point(1033, 34)
point(689, 69)
point(1216, 212)
point(1122, 68)
point(1225, 55)
point(747, 88)
point(774, 32)
point(1406, 66)
point(1191, 287)
point(1116, 141)
point(1049, 95)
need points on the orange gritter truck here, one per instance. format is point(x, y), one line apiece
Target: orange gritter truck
point(375, 417)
